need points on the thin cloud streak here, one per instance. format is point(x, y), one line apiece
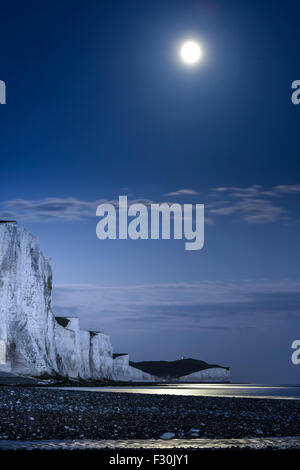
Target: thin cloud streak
point(251, 205)
point(183, 192)
point(56, 209)
point(206, 304)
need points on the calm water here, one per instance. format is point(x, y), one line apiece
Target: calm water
point(213, 390)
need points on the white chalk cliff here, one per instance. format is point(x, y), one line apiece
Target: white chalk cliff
point(213, 374)
point(32, 340)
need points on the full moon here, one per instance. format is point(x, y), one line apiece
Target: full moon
point(191, 52)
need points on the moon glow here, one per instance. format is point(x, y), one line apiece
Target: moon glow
point(191, 52)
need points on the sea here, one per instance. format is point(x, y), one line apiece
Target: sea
point(287, 392)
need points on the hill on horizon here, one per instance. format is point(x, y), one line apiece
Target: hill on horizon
point(173, 369)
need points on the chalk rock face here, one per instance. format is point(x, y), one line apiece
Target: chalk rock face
point(120, 366)
point(67, 364)
point(136, 375)
point(32, 340)
point(213, 374)
point(26, 319)
point(124, 372)
point(85, 369)
point(101, 356)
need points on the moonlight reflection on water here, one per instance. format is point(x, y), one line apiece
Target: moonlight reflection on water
point(212, 390)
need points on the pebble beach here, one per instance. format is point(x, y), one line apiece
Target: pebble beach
point(39, 414)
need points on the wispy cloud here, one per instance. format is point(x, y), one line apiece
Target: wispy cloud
point(48, 209)
point(207, 304)
point(253, 211)
point(183, 192)
point(55, 209)
point(257, 190)
point(253, 205)
point(287, 189)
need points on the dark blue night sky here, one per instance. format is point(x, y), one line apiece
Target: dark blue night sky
point(99, 105)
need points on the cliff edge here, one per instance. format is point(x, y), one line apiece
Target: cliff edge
point(32, 340)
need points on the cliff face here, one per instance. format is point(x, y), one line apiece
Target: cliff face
point(214, 374)
point(35, 342)
point(26, 319)
point(32, 340)
point(122, 370)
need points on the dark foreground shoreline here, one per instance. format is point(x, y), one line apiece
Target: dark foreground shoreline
point(34, 414)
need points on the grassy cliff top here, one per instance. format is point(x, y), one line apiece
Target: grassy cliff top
point(173, 369)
